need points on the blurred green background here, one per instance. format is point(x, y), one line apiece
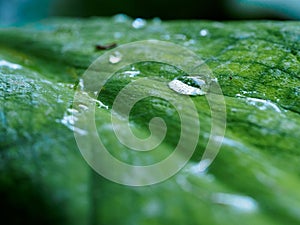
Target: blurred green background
point(15, 12)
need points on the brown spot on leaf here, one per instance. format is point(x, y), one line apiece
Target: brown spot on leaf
point(105, 47)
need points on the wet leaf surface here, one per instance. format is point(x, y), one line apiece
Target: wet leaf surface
point(254, 179)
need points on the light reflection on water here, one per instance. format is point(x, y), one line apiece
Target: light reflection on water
point(240, 202)
point(10, 65)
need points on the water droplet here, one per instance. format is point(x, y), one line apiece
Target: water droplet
point(156, 21)
point(115, 57)
point(166, 37)
point(100, 104)
point(139, 23)
point(10, 65)
point(261, 104)
point(287, 65)
point(203, 32)
point(118, 35)
point(121, 18)
point(297, 91)
point(68, 85)
point(180, 37)
point(83, 107)
point(131, 73)
point(190, 42)
point(189, 85)
point(152, 208)
point(74, 111)
point(248, 92)
point(243, 203)
point(69, 120)
point(81, 84)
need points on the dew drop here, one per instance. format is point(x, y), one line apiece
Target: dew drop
point(99, 104)
point(81, 84)
point(240, 202)
point(69, 121)
point(180, 37)
point(74, 111)
point(132, 73)
point(166, 37)
point(189, 85)
point(190, 42)
point(83, 107)
point(261, 104)
point(203, 32)
point(115, 57)
point(156, 21)
point(118, 35)
point(9, 65)
point(121, 18)
point(139, 23)
point(297, 91)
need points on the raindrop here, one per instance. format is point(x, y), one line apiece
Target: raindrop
point(100, 104)
point(190, 42)
point(10, 65)
point(287, 65)
point(261, 104)
point(180, 37)
point(121, 18)
point(189, 85)
point(166, 37)
point(297, 91)
point(74, 111)
point(132, 73)
point(81, 84)
point(243, 203)
point(115, 57)
point(203, 32)
point(156, 21)
point(83, 107)
point(118, 35)
point(139, 23)
point(69, 121)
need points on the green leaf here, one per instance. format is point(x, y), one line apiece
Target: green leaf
point(255, 177)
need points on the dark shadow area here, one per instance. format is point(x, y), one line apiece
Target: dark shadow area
point(22, 11)
point(23, 201)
